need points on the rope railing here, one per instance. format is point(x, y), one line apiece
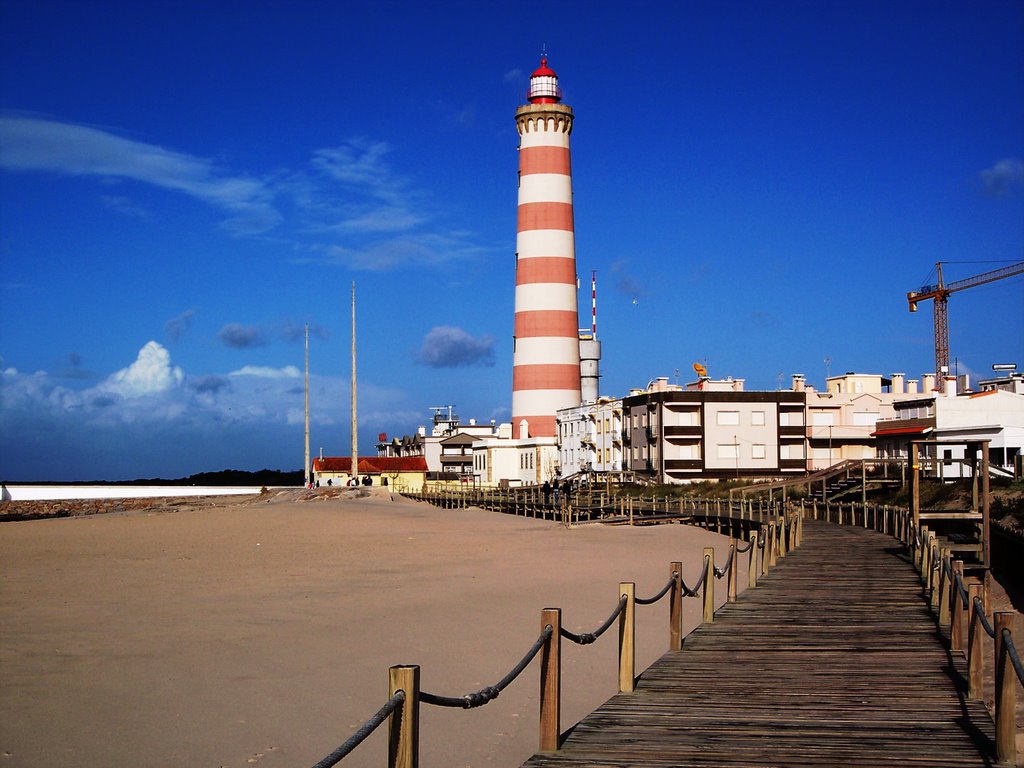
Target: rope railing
point(720, 572)
point(694, 592)
point(489, 693)
point(405, 695)
point(978, 606)
point(664, 591)
point(587, 638)
point(959, 606)
point(1011, 650)
point(364, 731)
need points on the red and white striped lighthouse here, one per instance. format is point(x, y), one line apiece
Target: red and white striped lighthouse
point(546, 357)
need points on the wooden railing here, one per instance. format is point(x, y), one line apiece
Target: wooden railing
point(772, 529)
point(766, 544)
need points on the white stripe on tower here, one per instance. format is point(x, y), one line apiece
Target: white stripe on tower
point(546, 360)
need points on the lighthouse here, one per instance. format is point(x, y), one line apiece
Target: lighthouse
point(546, 356)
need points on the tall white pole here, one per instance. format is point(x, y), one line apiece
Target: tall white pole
point(355, 420)
point(306, 465)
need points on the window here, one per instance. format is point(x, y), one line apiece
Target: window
point(757, 451)
point(865, 418)
point(728, 450)
point(757, 418)
point(728, 418)
point(791, 419)
point(823, 419)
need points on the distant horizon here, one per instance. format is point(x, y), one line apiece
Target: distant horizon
point(758, 186)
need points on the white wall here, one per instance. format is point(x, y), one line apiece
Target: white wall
point(15, 492)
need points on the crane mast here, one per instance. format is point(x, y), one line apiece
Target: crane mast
point(939, 294)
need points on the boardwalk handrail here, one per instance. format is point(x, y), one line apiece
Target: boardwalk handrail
point(958, 605)
point(402, 708)
point(489, 693)
point(586, 638)
point(364, 731)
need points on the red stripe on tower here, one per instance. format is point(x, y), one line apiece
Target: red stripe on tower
point(546, 361)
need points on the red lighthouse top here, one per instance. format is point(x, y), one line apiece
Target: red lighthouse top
point(544, 85)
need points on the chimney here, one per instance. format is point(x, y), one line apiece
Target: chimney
point(963, 383)
point(949, 386)
point(524, 429)
point(911, 386)
point(927, 382)
point(897, 383)
point(798, 382)
point(737, 385)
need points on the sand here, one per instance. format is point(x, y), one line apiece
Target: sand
point(232, 633)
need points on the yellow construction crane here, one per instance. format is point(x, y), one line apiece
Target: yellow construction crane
point(940, 294)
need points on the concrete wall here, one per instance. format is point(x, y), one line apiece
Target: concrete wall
point(18, 492)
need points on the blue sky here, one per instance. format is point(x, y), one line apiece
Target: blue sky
point(758, 184)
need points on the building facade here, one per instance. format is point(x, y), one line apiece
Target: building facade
point(713, 430)
point(590, 440)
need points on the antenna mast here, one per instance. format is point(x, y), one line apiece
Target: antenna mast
point(355, 421)
point(306, 465)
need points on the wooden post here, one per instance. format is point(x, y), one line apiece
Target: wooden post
point(956, 627)
point(675, 608)
point(734, 567)
point(773, 544)
point(921, 557)
point(915, 481)
point(404, 726)
point(765, 535)
point(752, 562)
point(1006, 692)
point(944, 587)
point(551, 681)
point(627, 637)
point(975, 654)
point(933, 590)
point(709, 585)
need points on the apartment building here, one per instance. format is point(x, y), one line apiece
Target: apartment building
point(713, 429)
point(590, 440)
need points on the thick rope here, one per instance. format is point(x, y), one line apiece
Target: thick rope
point(979, 611)
point(720, 572)
point(367, 728)
point(589, 637)
point(964, 598)
point(742, 550)
point(1011, 649)
point(657, 597)
point(687, 592)
point(490, 693)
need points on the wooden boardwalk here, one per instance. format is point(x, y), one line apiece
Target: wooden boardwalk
point(834, 659)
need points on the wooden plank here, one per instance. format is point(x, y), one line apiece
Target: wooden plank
point(830, 661)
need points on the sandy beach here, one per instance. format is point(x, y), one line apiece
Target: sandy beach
point(240, 633)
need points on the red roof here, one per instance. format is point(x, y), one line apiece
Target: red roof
point(901, 431)
point(371, 464)
point(544, 70)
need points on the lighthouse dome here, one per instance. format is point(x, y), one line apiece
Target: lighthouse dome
point(544, 85)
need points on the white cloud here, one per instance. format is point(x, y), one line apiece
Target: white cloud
point(263, 372)
point(151, 373)
point(35, 144)
point(1003, 177)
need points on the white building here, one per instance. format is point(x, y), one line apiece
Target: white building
point(590, 439)
point(996, 415)
point(503, 460)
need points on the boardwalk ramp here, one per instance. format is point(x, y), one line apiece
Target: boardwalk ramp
point(835, 659)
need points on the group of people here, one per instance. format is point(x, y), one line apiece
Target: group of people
point(354, 481)
point(556, 488)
